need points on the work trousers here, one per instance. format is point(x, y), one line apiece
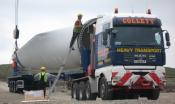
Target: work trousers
point(43, 86)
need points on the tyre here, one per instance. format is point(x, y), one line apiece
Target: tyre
point(10, 86)
point(81, 91)
point(154, 94)
point(13, 87)
point(88, 94)
point(105, 94)
point(20, 91)
point(74, 92)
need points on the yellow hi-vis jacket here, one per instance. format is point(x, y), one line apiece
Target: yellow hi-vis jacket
point(45, 75)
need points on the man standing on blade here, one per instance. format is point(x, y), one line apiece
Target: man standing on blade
point(76, 31)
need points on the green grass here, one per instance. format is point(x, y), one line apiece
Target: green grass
point(170, 72)
point(5, 71)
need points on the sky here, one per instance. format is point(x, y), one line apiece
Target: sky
point(37, 16)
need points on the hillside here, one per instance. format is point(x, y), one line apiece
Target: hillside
point(5, 71)
point(170, 72)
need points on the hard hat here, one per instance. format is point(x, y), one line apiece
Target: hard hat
point(79, 15)
point(43, 68)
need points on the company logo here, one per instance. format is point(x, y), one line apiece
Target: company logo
point(139, 50)
point(147, 21)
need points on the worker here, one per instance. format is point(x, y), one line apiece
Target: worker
point(76, 30)
point(14, 66)
point(43, 77)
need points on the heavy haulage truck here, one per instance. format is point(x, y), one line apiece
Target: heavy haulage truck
point(121, 56)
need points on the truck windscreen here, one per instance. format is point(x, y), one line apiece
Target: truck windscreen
point(135, 35)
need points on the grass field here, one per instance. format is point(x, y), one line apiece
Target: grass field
point(170, 72)
point(5, 71)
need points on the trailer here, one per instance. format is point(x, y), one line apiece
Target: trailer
point(121, 56)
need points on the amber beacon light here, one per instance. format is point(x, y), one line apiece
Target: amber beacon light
point(149, 11)
point(116, 11)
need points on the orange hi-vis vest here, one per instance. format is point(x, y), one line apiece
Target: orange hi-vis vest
point(77, 26)
point(14, 64)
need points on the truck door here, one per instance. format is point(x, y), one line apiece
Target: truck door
point(91, 69)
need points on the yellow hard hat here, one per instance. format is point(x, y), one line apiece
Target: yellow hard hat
point(43, 68)
point(79, 15)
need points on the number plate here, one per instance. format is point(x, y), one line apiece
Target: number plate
point(139, 61)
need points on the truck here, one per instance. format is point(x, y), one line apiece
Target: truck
point(121, 56)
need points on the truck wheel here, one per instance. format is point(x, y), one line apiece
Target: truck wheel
point(13, 87)
point(74, 91)
point(154, 94)
point(105, 94)
point(20, 91)
point(88, 94)
point(81, 91)
point(10, 86)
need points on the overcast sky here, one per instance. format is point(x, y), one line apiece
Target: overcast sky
point(37, 16)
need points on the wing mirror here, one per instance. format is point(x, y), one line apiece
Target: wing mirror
point(105, 36)
point(167, 37)
point(114, 33)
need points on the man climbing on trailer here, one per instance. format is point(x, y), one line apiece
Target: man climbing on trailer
point(76, 31)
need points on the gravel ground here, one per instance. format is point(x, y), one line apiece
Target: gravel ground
point(63, 97)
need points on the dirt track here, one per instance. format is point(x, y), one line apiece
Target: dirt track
point(64, 98)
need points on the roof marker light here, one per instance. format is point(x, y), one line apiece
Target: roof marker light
point(149, 11)
point(116, 11)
